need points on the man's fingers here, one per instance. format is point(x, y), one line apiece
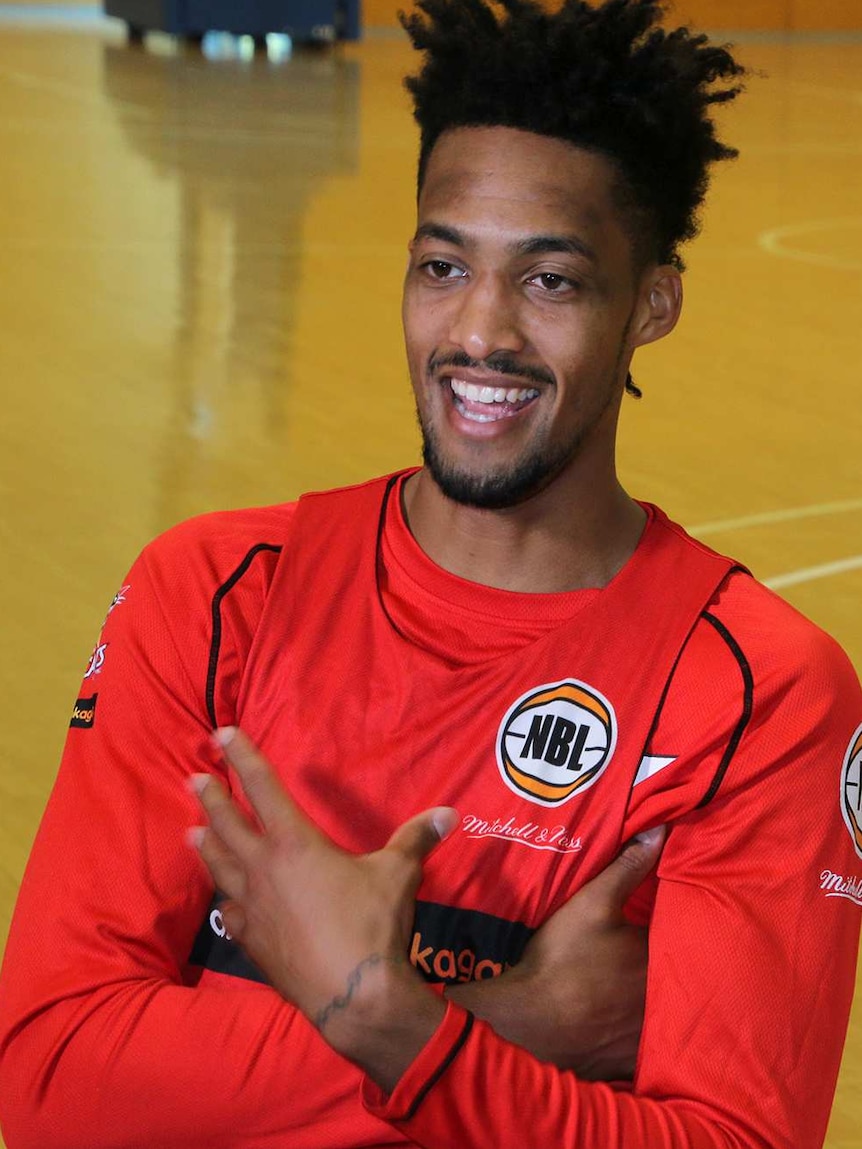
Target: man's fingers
point(233, 916)
point(271, 803)
point(227, 874)
point(418, 837)
point(224, 818)
point(612, 888)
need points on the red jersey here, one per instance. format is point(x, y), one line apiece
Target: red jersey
point(559, 725)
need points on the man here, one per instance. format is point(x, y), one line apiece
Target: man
point(503, 633)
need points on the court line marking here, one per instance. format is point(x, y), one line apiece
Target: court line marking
point(767, 518)
point(772, 241)
point(809, 574)
point(789, 515)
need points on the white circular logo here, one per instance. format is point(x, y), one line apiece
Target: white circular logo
point(556, 741)
point(851, 790)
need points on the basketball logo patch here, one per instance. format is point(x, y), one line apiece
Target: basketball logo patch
point(851, 790)
point(556, 741)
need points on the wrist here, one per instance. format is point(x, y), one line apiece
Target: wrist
point(383, 1020)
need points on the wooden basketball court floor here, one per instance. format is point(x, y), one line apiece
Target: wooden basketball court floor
point(199, 297)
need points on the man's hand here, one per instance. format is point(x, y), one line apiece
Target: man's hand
point(576, 999)
point(330, 929)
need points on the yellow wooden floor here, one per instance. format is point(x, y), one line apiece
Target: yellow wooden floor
point(199, 297)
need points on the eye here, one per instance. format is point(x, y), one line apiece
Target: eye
point(553, 282)
point(441, 270)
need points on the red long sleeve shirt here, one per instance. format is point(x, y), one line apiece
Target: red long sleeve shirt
point(378, 684)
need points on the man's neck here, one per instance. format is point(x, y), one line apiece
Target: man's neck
point(552, 542)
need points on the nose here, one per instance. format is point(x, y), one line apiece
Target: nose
point(487, 318)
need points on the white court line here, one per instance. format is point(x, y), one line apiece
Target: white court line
point(767, 518)
point(791, 514)
point(809, 574)
point(773, 242)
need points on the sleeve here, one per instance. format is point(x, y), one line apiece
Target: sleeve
point(753, 944)
point(109, 1038)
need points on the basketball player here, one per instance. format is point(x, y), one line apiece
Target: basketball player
point(445, 700)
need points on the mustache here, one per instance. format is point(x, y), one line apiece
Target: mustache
point(500, 362)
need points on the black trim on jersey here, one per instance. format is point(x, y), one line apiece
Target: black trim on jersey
point(378, 551)
point(658, 713)
point(441, 1069)
point(747, 707)
point(448, 944)
point(215, 644)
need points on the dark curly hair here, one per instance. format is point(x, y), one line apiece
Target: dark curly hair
point(608, 78)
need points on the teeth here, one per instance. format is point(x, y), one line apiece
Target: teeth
point(476, 394)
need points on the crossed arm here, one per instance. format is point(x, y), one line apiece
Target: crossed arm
point(331, 931)
point(292, 893)
point(111, 1038)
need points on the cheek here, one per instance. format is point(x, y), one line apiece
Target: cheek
point(415, 322)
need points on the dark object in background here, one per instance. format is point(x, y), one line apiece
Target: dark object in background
point(305, 21)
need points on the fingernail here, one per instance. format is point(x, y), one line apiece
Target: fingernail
point(444, 822)
point(195, 836)
point(224, 735)
point(652, 837)
point(197, 783)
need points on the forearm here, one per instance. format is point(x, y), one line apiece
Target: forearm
point(148, 1063)
point(471, 1088)
point(383, 1020)
point(92, 1070)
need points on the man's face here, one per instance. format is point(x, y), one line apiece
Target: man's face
point(519, 304)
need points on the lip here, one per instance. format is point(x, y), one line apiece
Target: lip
point(486, 379)
point(485, 422)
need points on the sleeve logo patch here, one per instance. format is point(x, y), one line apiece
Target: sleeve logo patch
point(118, 600)
point(851, 790)
point(97, 660)
point(556, 741)
point(84, 714)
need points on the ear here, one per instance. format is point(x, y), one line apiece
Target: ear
point(658, 307)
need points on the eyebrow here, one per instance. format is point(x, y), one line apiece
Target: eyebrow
point(438, 231)
point(548, 244)
point(535, 245)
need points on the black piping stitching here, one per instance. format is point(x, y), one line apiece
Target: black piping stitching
point(674, 668)
point(215, 644)
point(378, 551)
point(440, 1070)
point(747, 707)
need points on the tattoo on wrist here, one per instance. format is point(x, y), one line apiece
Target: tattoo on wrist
point(342, 1001)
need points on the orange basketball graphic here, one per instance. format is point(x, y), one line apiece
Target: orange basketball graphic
point(556, 741)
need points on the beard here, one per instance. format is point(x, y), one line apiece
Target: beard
point(491, 491)
point(535, 470)
point(495, 490)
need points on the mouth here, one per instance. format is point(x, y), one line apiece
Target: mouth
point(482, 403)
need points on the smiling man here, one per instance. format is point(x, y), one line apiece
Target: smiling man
point(522, 308)
point(455, 708)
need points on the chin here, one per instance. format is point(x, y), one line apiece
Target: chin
point(494, 490)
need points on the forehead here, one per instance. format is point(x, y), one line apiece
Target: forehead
point(504, 177)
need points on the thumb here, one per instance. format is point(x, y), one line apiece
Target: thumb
point(418, 837)
point(619, 880)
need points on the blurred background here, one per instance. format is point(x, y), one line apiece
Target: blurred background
point(203, 240)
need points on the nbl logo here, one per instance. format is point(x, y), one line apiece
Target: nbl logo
point(851, 790)
point(555, 742)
